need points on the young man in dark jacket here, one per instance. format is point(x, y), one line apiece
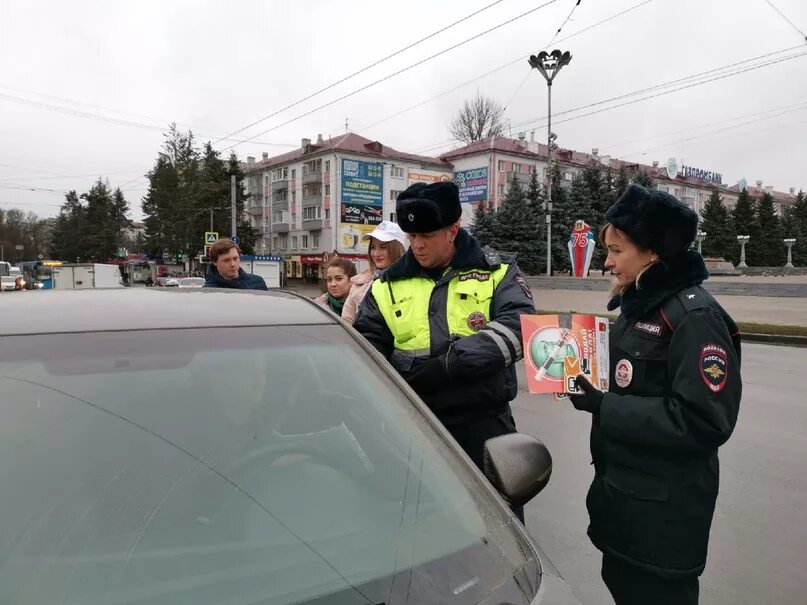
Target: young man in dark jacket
point(447, 316)
point(225, 270)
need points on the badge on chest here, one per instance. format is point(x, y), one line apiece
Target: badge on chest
point(623, 374)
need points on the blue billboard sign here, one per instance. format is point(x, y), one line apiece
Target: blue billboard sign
point(473, 185)
point(362, 191)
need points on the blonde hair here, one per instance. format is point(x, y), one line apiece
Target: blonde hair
point(395, 250)
point(617, 289)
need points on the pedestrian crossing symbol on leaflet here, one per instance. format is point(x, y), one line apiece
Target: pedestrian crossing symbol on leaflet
point(211, 237)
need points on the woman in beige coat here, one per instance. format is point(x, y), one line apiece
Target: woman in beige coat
point(387, 245)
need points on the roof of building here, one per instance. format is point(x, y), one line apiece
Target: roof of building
point(538, 151)
point(755, 193)
point(348, 143)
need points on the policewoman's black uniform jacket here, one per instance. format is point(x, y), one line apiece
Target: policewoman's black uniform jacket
point(673, 400)
point(481, 374)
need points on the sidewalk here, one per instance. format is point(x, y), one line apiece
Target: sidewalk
point(756, 309)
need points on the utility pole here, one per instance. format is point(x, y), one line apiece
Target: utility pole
point(232, 205)
point(211, 219)
point(549, 64)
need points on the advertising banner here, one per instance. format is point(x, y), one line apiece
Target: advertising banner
point(361, 203)
point(473, 185)
point(581, 248)
point(428, 176)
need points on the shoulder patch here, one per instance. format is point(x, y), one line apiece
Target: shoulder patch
point(524, 285)
point(714, 367)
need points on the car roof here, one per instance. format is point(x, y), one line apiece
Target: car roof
point(141, 308)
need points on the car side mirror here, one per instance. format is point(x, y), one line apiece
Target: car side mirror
point(518, 466)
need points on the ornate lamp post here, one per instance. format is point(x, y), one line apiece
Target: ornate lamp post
point(700, 237)
point(743, 239)
point(549, 64)
point(789, 243)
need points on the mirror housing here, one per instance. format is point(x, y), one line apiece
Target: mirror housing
point(518, 466)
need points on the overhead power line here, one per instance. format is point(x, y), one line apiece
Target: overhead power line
point(521, 58)
point(793, 25)
point(399, 72)
point(687, 82)
point(562, 25)
point(362, 70)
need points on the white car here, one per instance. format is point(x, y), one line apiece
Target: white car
point(191, 282)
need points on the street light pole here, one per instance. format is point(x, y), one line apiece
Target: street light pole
point(789, 243)
point(700, 237)
point(548, 65)
point(743, 239)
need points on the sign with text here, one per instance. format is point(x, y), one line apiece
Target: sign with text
point(473, 185)
point(428, 177)
point(362, 202)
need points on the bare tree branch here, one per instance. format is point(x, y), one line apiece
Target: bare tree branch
point(479, 118)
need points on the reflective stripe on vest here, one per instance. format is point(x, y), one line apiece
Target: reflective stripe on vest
point(404, 304)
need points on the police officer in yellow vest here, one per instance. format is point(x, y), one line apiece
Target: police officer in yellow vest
point(447, 316)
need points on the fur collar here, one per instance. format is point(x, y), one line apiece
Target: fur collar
point(469, 255)
point(660, 282)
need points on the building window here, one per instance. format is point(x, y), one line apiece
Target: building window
point(501, 190)
point(274, 243)
point(315, 237)
point(293, 173)
point(277, 216)
point(327, 214)
point(284, 241)
point(312, 213)
point(516, 167)
point(393, 194)
point(392, 217)
point(312, 189)
point(293, 197)
point(305, 242)
point(501, 165)
point(327, 190)
point(397, 172)
point(280, 174)
point(293, 242)
point(266, 180)
point(327, 165)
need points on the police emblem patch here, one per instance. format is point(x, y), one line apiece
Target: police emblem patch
point(623, 374)
point(477, 321)
point(714, 367)
point(524, 286)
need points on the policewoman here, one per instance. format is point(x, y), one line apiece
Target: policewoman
point(446, 315)
point(673, 399)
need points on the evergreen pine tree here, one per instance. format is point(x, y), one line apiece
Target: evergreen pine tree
point(482, 226)
point(644, 179)
point(563, 218)
point(769, 249)
point(744, 222)
point(69, 231)
point(621, 182)
point(536, 197)
point(719, 242)
point(799, 214)
point(517, 231)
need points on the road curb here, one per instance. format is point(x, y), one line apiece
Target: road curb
point(775, 339)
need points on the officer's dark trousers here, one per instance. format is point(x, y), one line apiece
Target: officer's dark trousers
point(472, 434)
point(631, 585)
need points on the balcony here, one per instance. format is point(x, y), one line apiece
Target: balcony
point(522, 177)
point(256, 209)
point(280, 228)
point(280, 186)
point(312, 200)
point(312, 177)
point(280, 205)
point(313, 225)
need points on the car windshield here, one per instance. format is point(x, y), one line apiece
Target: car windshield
point(272, 465)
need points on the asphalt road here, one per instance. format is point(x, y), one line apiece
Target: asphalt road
point(716, 287)
point(758, 547)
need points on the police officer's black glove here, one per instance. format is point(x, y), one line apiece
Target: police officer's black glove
point(591, 400)
point(429, 377)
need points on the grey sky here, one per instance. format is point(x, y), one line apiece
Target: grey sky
point(123, 70)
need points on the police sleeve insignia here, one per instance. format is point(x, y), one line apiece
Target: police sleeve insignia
point(714, 367)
